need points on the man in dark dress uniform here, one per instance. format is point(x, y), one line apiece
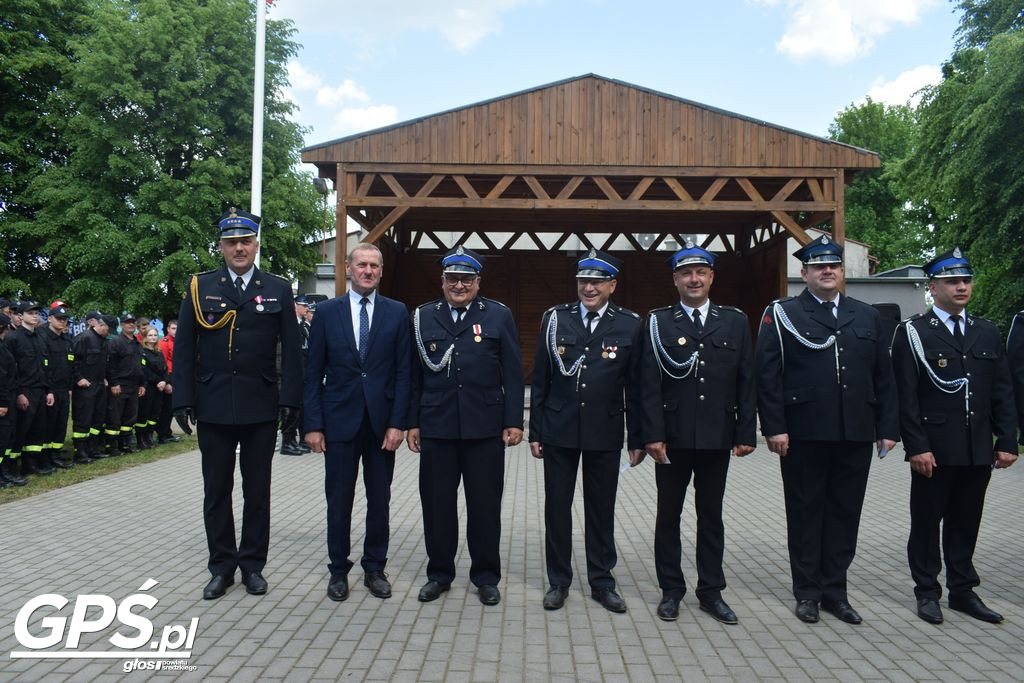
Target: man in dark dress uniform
point(89, 393)
point(956, 397)
point(226, 379)
point(466, 408)
point(699, 404)
point(585, 375)
point(32, 392)
point(292, 442)
point(825, 393)
point(8, 382)
point(59, 358)
point(1015, 357)
point(127, 385)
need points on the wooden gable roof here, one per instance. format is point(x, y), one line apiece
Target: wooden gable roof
point(590, 120)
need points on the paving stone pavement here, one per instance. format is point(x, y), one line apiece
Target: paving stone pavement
point(109, 535)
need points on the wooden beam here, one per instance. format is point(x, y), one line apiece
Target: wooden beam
point(364, 184)
point(342, 182)
point(500, 187)
point(570, 187)
point(538, 190)
point(678, 189)
point(787, 189)
point(712, 192)
point(792, 227)
point(395, 186)
point(815, 187)
point(607, 170)
point(386, 223)
point(816, 219)
point(486, 240)
point(641, 187)
point(607, 188)
point(466, 188)
point(592, 204)
point(749, 188)
point(839, 221)
point(362, 220)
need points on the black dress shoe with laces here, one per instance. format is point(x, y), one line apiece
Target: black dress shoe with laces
point(719, 610)
point(609, 599)
point(254, 582)
point(972, 605)
point(489, 595)
point(337, 588)
point(555, 597)
point(841, 610)
point(378, 584)
point(432, 590)
point(928, 609)
point(218, 586)
point(668, 608)
point(807, 611)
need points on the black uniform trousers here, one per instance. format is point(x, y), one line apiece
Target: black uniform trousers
point(954, 497)
point(88, 410)
point(149, 407)
point(122, 410)
point(31, 423)
point(480, 464)
point(600, 484)
point(217, 444)
point(824, 484)
point(163, 420)
point(7, 425)
point(709, 470)
point(341, 465)
point(57, 420)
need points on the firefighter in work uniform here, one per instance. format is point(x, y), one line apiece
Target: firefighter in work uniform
point(89, 390)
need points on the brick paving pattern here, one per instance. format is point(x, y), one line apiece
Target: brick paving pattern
point(107, 536)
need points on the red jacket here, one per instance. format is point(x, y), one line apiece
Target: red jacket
point(167, 348)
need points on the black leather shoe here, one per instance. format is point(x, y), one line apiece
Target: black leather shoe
point(304, 447)
point(668, 608)
point(218, 586)
point(168, 439)
point(291, 448)
point(929, 610)
point(841, 610)
point(609, 599)
point(972, 606)
point(489, 595)
point(555, 597)
point(255, 584)
point(432, 590)
point(807, 611)
point(719, 610)
point(337, 588)
point(378, 584)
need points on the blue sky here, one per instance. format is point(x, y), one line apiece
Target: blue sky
point(795, 63)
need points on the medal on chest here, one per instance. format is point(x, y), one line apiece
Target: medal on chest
point(259, 303)
point(477, 331)
point(608, 350)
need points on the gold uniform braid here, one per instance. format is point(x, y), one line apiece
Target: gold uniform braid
point(226, 319)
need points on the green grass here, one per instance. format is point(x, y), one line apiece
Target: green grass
point(60, 478)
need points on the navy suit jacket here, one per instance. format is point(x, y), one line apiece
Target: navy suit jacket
point(339, 387)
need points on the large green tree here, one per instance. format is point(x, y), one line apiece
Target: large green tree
point(879, 210)
point(969, 160)
point(158, 136)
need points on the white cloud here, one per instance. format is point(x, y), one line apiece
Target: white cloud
point(302, 78)
point(904, 88)
point(840, 31)
point(349, 90)
point(358, 119)
point(463, 23)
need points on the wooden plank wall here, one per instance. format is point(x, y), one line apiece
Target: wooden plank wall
point(530, 282)
point(593, 121)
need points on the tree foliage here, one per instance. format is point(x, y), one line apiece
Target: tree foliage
point(156, 119)
point(969, 160)
point(878, 207)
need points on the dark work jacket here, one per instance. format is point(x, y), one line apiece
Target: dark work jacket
point(90, 351)
point(154, 367)
point(237, 383)
point(1015, 357)
point(29, 351)
point(714, 407)
point(124, 361)
point(939, 422)
point(585, 411)
point(798, 390)
point(59, 358)
point(481, 392)
point(8, 381)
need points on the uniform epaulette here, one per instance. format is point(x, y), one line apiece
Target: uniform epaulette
point(782, 300)
point(913, 317)
point(276, 277)
point(436, 303)
point(206, 272)
point(620, 309)
point(661, 308)
point(493, 301)
point(733, 309)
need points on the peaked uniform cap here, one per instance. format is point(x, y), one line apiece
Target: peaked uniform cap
point(598, 265)
point(691, 255)
point(822, 250)
point(235, 223)
point(460, 260)
point(952, 263)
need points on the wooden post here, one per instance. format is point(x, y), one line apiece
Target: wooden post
point(839, 221)
point(341, 229)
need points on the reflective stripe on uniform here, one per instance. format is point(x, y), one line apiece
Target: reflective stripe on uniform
point(111, 432)
point(37, 448)
point(79, 435)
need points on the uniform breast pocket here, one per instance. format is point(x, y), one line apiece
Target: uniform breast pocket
point(268, 307)
point(724, 344)
point(815, 334)
point(867, 341)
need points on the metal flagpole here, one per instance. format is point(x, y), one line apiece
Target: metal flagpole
point(256, 198)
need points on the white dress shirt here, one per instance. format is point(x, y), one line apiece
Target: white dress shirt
point(354, 299)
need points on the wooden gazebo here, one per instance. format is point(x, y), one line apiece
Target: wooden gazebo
point(532, 178)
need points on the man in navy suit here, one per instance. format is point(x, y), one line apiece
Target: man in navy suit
point(355, 403)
